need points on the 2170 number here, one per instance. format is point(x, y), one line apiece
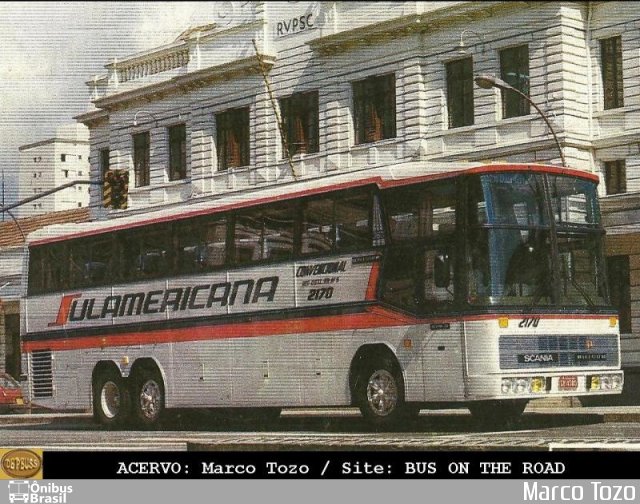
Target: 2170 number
point(318, 294)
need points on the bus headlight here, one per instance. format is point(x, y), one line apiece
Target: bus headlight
point(537, 385)
point(605, 382)
point(533, 385)
point(521, 386)
point(617, 382)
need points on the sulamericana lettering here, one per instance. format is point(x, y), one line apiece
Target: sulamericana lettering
point(269, 294)
point(90, 314)
point(223, 299)
point(131, 299)
point(194, 296)
point(171, 299)
point(185, 298)
point(246, 291)
point(111, 306)
point(73, 317)
point(151, 300)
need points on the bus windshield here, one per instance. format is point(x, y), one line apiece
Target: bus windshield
point(511, 241)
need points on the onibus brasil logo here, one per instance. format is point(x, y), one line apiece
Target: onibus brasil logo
point(30, 491)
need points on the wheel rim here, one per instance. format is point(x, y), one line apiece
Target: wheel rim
point(382, 393)
point(110, 399)
point(150, 399)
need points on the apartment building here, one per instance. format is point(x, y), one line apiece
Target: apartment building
point(50, 163)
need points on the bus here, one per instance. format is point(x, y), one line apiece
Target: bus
point(392, 289)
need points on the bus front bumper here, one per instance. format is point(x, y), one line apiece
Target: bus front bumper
point(534, 386)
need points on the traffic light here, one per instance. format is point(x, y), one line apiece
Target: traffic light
point(115, 189)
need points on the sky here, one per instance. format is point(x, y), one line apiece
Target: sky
point(48, 50)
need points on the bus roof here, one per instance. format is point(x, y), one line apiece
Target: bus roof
point(384, 177)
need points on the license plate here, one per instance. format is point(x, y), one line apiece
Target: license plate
point(20, 401)
point(568, 383)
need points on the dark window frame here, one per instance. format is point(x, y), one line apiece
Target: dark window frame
point(177, 136)
point(374, 108)
point(142, 158)
point(233, 138)
point(612, 78)
point(619, 269)
point(514, 70)
point(300, 119)
point(615, 176)
point(105, 161)
point(460, 105)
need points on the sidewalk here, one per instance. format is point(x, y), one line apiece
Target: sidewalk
point(564, 406)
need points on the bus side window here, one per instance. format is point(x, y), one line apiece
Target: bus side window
point(36, 271)
point(353, 230)
point(55, 267)
point(317, 226)
point(213, 244)
point(91, 263)
point(247, 237)
point(278, 232)
point(145, 254)
point(78, 258)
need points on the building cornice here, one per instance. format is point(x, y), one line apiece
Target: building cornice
point(93, 117)
point(408, 25)
point(617, 140)
point(188, 81)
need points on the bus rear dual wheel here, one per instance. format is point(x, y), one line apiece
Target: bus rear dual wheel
point(117, 401)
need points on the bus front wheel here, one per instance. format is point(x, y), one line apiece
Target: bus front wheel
point(380, 393)
point(111, 401)
point(147, 397)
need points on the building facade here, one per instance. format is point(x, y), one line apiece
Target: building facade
point(360, 85)
point(13, 235)
point(50, 163)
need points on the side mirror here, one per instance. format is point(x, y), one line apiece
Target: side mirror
point(442, 270)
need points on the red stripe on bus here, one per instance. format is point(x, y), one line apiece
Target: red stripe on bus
point(372, 286)
point(227, 331)
point(376, 316)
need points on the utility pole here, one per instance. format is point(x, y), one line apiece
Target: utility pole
point(6, 208)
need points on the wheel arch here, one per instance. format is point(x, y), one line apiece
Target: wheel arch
point(101, 367)
point(365, 354)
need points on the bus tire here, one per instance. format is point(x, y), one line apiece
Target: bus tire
point(111, 400)
point(147, 393)
point(497, 414)
point(380, 392)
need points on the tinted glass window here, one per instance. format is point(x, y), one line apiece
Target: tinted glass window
point(200, 244)
point(317, 226)
point(145, 254)
point(352, 221)
point(264, 233)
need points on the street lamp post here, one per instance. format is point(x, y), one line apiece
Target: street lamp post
point(488, 82)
